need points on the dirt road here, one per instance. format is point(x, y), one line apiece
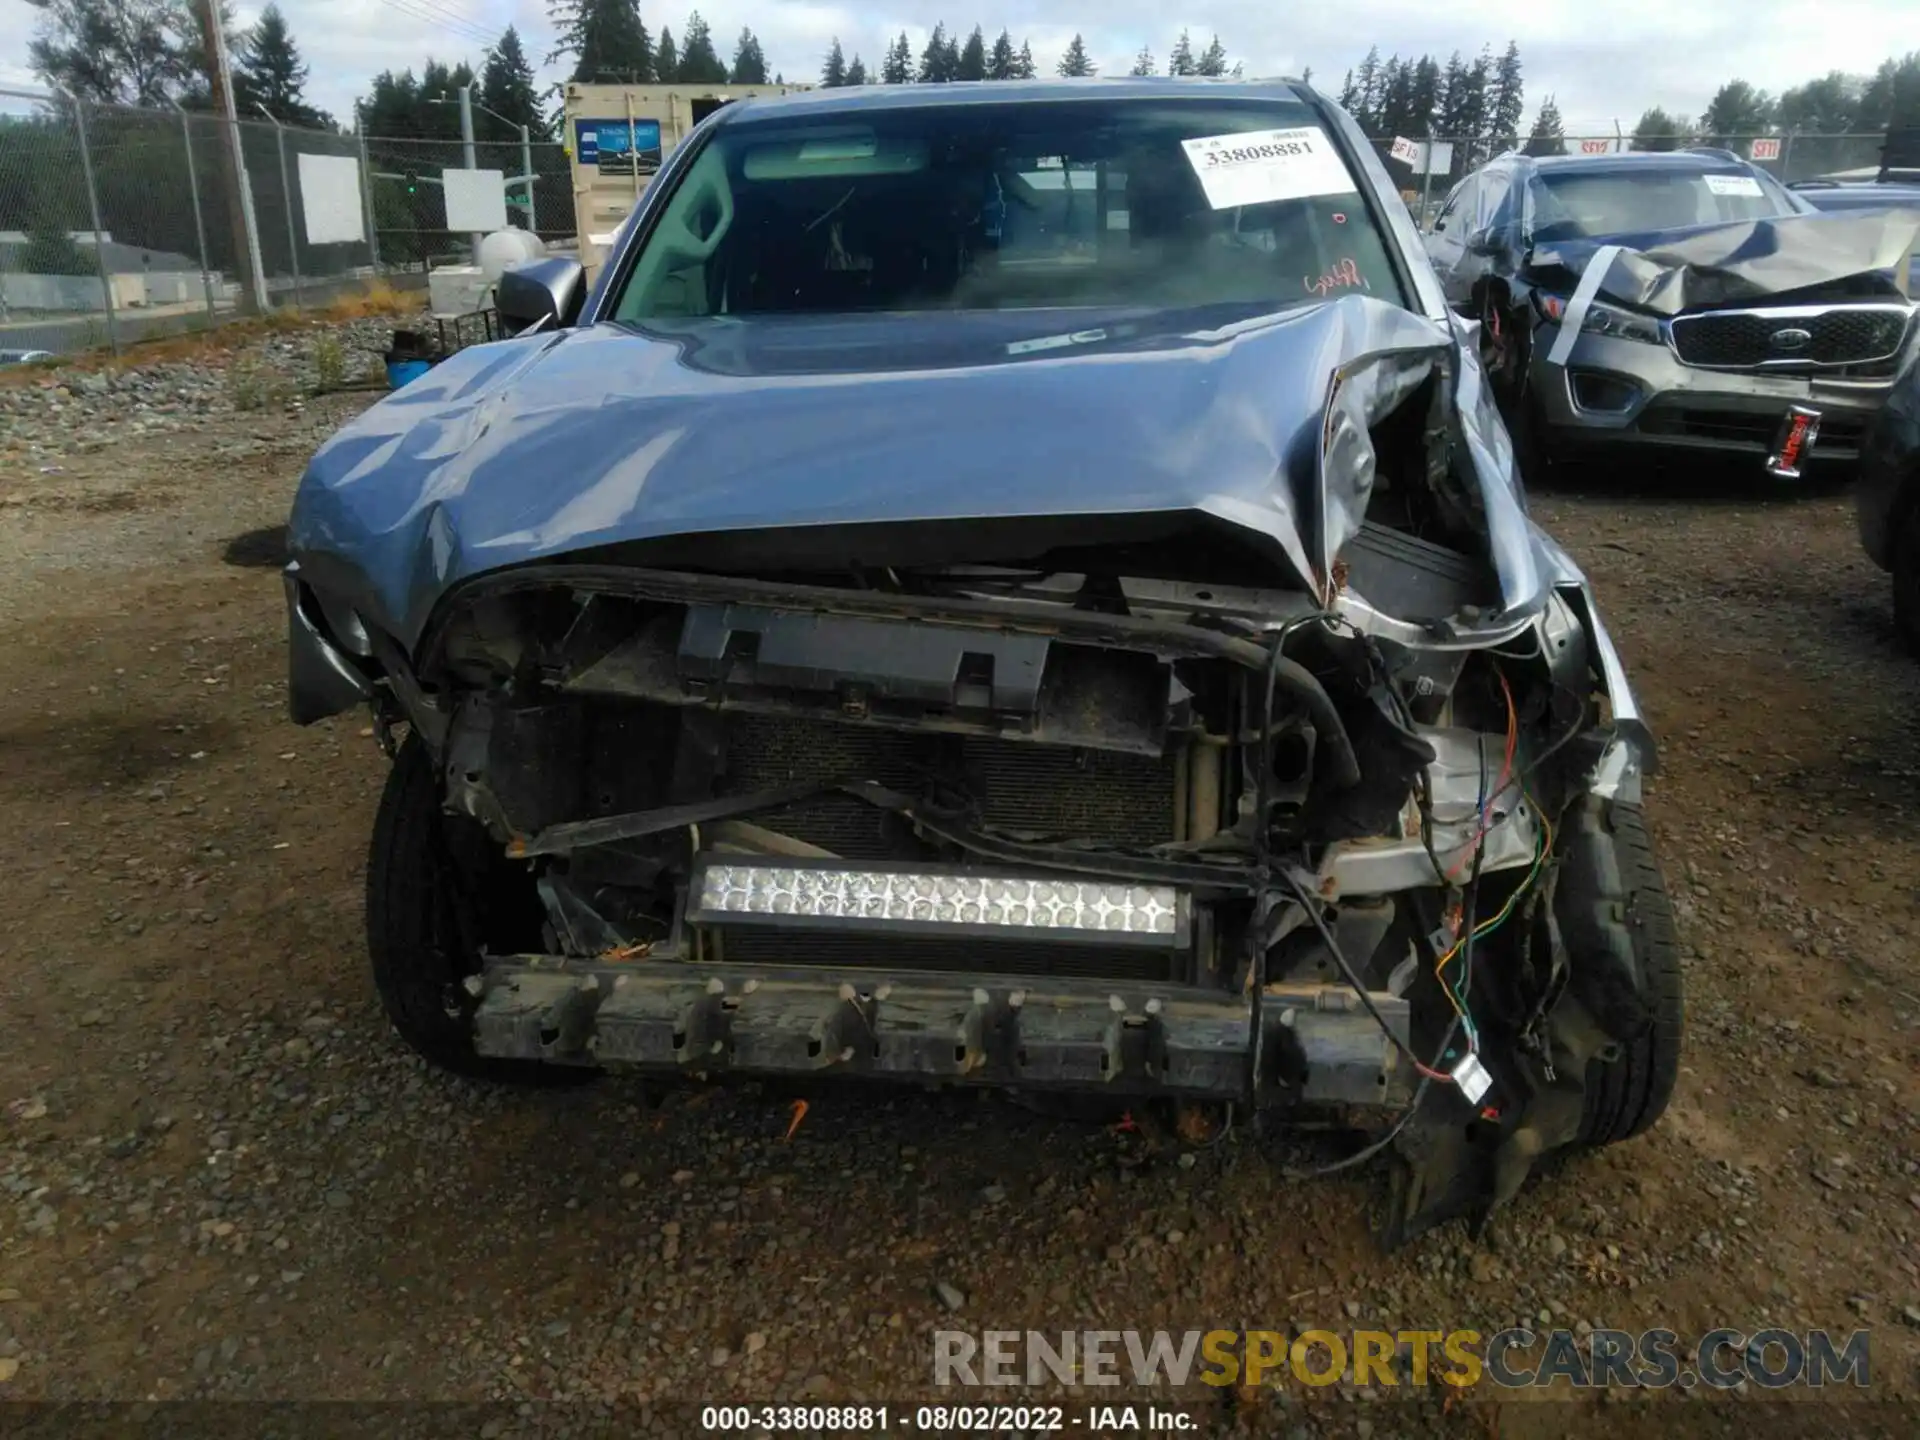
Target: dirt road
point(222, 1177)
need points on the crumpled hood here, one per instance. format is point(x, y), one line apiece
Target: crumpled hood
point(538, 448)
point(1666, 272)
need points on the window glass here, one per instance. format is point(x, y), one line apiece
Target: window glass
point(1007, 206)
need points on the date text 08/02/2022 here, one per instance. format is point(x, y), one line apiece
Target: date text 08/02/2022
point(947, 1419)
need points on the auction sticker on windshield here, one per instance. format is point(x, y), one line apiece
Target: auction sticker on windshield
point(1256, 166)
point(1734, 185)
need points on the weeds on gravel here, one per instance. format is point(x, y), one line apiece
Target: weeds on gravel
point(252, 386)
point(379, 298)
point(329, 363)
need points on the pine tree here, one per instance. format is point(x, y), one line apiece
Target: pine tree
point(1505, 102)
point(134, 52)
point(897, 68)
point(605, 39)
point(1366, 84)
point(269, 72)
point(1143, 62)
point(857, 72)
point(1213, 60)
point(940, 59)
point(1023, 63)
point(507, 86)
point(1736, 111)
point(1827, 106)
point(1001, 59)
point(749, 61)
point(1396, 97)
point(972, 64)
point(1181, 61)
point(1423, 99)
point(1657, 130)
point(1075, 62)
point(833, 74)
point(1549, 133)
point(1451, 118)
point(666, 58)
point(700, 63)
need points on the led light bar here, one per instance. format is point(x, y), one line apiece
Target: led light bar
point(733, 890)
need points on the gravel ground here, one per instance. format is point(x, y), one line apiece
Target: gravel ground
point(221, 1177)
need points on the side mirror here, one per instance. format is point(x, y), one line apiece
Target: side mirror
point(541, 295)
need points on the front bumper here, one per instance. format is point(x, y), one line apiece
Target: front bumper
point(1631, 394)
point(1300, 1044)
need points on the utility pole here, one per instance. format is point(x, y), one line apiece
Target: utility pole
point(526, 169)
point(466, 142)
point(233, 160)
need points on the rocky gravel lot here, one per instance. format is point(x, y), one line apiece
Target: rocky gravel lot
point(221, 1177)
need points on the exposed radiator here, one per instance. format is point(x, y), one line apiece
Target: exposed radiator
point(1047, 790)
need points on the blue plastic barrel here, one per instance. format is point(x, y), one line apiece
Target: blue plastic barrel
point(401, 372)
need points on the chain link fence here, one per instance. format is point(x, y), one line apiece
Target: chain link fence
point(1436, 165)
point(119, 224)
point(409, 203)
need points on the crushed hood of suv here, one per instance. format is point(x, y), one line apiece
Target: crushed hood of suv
point(1670, 271)
point(889, 428)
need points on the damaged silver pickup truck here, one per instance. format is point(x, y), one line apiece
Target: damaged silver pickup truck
point(1003, 585)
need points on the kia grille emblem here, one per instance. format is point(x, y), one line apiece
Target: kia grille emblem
point(1791, 340)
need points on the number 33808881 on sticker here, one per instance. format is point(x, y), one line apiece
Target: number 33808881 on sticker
point(1256, 166)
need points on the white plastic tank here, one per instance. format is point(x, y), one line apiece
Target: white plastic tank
point(505, 248)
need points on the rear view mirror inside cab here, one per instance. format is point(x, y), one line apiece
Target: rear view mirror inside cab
point(827, 154)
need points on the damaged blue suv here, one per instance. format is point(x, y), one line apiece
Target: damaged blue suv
point(1000, 585)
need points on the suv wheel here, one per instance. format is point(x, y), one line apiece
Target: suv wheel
point(1627, 1094)
point(438, 890)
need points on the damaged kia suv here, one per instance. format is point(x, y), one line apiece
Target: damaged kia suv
point(1676, 303)
point(1000, 585)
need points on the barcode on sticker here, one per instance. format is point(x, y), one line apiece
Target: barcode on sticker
point(1258, 166)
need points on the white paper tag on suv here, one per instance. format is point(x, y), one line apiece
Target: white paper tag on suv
point(1255, 166)
point(1734, 185)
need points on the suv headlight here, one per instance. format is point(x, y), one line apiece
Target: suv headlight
point(1602, 319)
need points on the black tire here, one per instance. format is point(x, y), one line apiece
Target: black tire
point(1626, 1095)
point(437, 886)
point(1905, 565)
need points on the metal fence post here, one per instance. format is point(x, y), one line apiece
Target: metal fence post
point(526, 169)
point(93, 208)
point(366, 199)
point(1786, 158)
point(199, 224)
point(466, 145)
point(286, 194)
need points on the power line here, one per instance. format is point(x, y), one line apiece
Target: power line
point(454, 24)
point(454, 15)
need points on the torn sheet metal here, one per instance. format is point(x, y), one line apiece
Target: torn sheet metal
point(831, 432)
point(1671, 271)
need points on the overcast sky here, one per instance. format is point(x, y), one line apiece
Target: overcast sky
point(1600, 61)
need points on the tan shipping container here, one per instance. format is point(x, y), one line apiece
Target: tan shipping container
point(617, 138)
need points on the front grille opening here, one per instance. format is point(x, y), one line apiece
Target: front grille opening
point(1844, 335)
point(1594, 390)
point(1016, 785)
point(1839, 434)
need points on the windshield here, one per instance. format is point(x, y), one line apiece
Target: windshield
point(1571, 205)
point(1012, 206)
